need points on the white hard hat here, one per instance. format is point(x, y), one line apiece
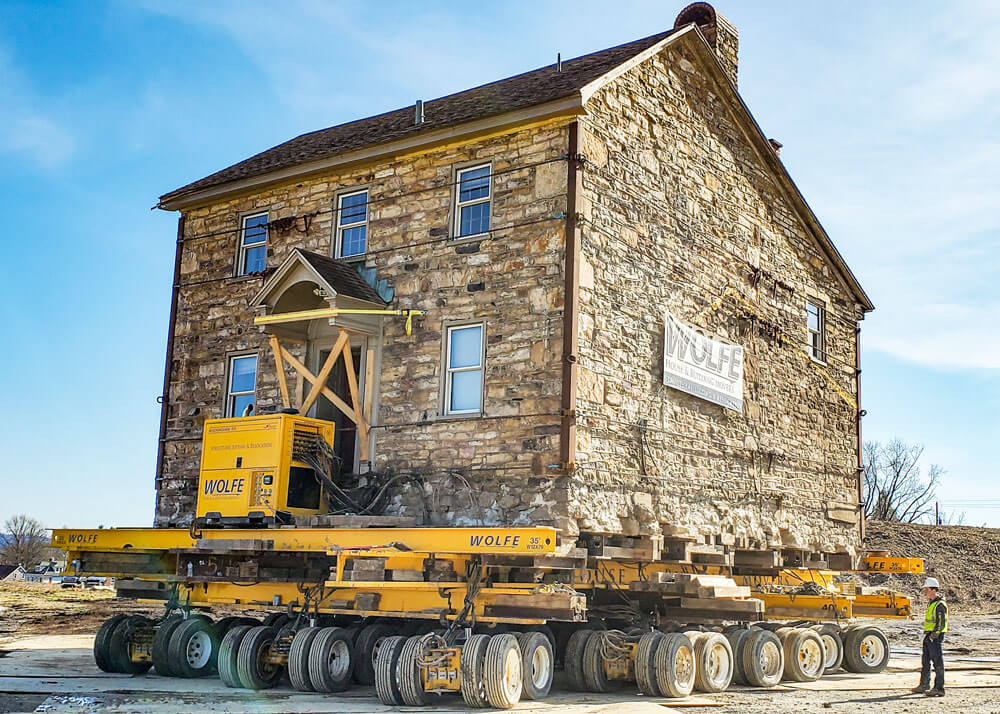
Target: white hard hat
point(931, 583)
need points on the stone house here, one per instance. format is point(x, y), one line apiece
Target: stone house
point(556, 231)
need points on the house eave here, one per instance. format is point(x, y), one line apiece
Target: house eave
point(568, 106)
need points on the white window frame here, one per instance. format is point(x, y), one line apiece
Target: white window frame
point(339, 229)
point(449, 370)
point(459, 204)
point(230, 394)
point(241, 256)
point(820, 355)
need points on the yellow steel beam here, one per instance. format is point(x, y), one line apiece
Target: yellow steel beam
point(885, 564)
point(504, 541)
point(328, 312)
point(785, 606)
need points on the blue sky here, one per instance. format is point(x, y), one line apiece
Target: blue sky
point(890, 116)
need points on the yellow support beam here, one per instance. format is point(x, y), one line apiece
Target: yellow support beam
point(328, 312)
point(885, 564)
point(499, 541)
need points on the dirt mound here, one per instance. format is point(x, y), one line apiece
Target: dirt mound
point(965, 560)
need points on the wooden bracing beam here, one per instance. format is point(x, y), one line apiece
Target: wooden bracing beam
point(354, 411)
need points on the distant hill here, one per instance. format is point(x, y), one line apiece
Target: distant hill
point(966, 560)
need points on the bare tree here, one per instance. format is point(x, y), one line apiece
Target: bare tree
point(896, 487)
point(23, 541)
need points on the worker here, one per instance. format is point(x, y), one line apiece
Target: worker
point(935, 626)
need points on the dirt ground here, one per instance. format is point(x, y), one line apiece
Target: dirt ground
point(43, 609)
point(46, 665)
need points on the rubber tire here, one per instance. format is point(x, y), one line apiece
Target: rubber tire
point(666, 658)
point(161, 646)
point(530, 643)
point(471, 663)
point(792, 643)
point(496, 669)
point(102, 655)
point(119, 641)
point(645, 663)
point(830, 634)
point(298, 658)
point(322, 648)
point(573, 659)
point(228, 652)
point(250, 675)
point(177, 648)
point(594, 675)
point(408, 673)
point(704, 645)
point(753, 647)
point(852, 650)
point(737, 638)
point(386, 663)
point(364, 651)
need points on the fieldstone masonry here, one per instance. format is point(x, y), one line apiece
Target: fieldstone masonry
point(677, 207)
point(680, 209)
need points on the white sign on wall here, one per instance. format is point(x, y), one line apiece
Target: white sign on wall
point(707, 368)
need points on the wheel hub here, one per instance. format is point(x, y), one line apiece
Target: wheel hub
point(830, 648)
point(512, 671)
point(770, 659)
point(872, 650)
point(684, 666)
point(541, 665)
point(199, 650)
point(339, 660)
point(811, 657)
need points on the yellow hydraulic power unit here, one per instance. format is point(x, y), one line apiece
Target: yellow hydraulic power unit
point(252, 471)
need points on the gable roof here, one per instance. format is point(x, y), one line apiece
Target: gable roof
point(563, 92)
point(6, 570)
point(533, 88)
point(334, 275)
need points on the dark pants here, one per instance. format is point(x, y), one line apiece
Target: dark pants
point(932, 653)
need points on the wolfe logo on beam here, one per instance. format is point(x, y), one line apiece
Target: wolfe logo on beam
point(708, 369)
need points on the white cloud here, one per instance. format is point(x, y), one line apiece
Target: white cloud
point(26, 129)
point(301, 48)
point(37, 137)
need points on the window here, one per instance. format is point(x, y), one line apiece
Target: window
point(816, 326)
point(253, 244)
point(242, 382)
point(463, 391)
point(472, 207)
point(352, 224)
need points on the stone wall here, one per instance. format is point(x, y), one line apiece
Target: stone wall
point(680, 208)
point(495, 469)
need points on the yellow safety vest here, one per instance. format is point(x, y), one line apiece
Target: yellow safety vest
point(930, 618)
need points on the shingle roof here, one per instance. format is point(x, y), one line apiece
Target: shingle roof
point(6, 570)
point(519, 92)
point(341, 277)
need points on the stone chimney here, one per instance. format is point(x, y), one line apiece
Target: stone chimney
point(720, 33)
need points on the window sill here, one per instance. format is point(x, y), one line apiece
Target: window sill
point(248, 277)
point(469, 238)
point(359, 258)
point(456, 417)
point(818, 361)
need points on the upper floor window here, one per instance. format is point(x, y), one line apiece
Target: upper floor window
point(242, 383)
point(352, 224)
point(463, 388)
point(816, 327)
point(472, 206)
point(253, 244)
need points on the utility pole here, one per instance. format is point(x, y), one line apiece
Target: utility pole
point(937, 516)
